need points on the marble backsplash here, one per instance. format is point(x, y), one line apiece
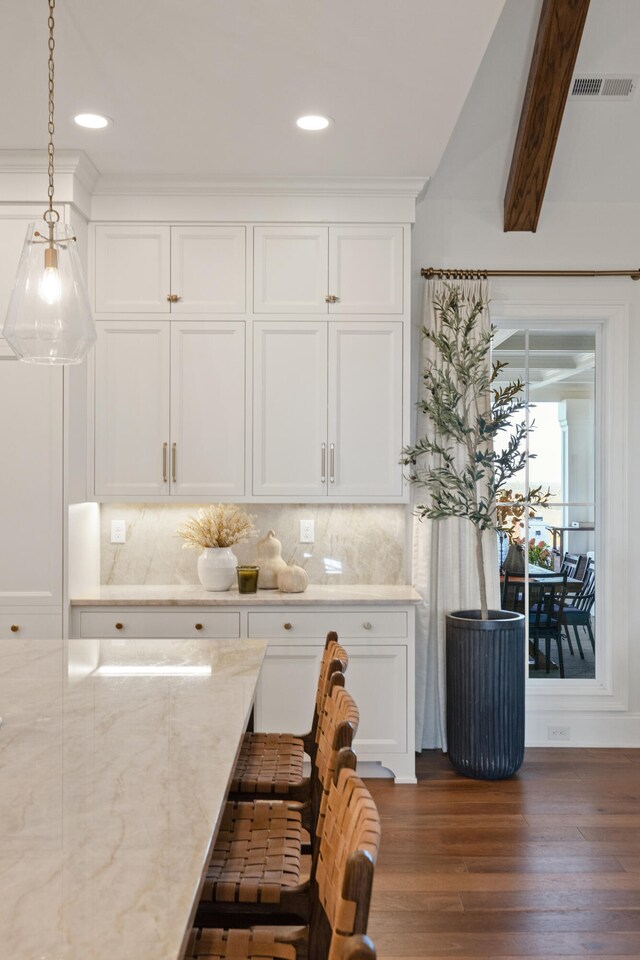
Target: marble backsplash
point(354, 543)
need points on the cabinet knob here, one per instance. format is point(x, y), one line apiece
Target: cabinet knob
point(288, 626)
point(198, 626)
point(14, 628)
point(367, 625)
point(119, 626)
point(331, 299)
point(173, 297)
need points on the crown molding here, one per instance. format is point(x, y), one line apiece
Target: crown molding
point(410, 187)
point(23, 177)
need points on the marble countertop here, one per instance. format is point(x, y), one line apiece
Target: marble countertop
point(191, 595)
point(115, 760)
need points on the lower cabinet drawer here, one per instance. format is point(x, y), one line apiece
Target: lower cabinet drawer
point(346, 623)
point(158, 623)
point(31, 626)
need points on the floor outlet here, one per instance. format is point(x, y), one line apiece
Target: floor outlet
point(118, 531)
point(558, 733)
point(307, 532)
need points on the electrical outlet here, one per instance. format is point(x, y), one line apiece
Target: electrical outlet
point(118, 531)
point(307, 532)
point(558, 733)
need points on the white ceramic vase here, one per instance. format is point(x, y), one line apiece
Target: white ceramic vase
point(217, 568)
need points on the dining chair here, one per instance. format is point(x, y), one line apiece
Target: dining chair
point(340, 891)
point(271, 765)
point(570, 565)
point(546, 603)
point(577, 612)
point(256, 872)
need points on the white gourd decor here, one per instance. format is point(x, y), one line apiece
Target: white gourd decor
point(292, 579)
point(270, 561)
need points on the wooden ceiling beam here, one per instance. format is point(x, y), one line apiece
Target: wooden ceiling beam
point(554, 57)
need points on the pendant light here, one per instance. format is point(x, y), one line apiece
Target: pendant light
point(49, 317)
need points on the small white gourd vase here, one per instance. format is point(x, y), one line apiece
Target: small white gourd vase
point(293, 579)
point(217, 568)
point(270, 561)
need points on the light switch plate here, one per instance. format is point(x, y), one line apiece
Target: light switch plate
point(307, 532)
point(118, 531)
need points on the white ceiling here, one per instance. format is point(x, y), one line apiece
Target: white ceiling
point(211, 88)
point(598, 152)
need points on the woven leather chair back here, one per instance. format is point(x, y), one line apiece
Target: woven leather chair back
point(344, 875)
point(334, 659)
point(337, 729)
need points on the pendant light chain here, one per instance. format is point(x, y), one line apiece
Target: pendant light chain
point(49, 214)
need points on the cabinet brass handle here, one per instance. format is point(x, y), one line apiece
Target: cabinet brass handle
point(14, 628)
point(332, 463)
point(331, 299)
point(173, 297)
point(323, 461)
point(288, 626)
point(164, 462)
point(198, 626)
point(367, 625)
point(119, 626)
point(173, 462)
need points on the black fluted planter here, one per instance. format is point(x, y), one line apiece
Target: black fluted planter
point(485, 693)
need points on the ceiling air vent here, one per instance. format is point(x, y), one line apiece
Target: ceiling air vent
point(603, 87)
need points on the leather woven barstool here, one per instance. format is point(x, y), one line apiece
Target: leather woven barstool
point(256, 870)
point(341, 891)
point(270, 765)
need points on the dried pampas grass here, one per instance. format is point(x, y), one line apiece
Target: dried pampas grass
point(220, 525)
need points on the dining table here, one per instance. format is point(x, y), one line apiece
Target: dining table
point(115, 762)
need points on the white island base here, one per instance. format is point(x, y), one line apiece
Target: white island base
point(376, 624)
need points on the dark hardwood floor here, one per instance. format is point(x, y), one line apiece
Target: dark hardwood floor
point(544, 865)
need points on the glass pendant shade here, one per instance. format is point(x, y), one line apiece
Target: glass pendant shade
point(49, 317)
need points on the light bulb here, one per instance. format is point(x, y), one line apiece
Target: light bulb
point(49, 288)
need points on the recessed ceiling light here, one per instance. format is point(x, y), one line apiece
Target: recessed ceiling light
point(313, 122)
point(94, 121)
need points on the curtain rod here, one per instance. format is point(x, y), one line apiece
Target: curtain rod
point(458, 274)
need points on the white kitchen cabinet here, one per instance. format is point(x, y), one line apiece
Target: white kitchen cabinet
point(31, 450)
point(170, 269)
point(327, 409)
point(169, 408)
point(378, 638)
point(349, 269)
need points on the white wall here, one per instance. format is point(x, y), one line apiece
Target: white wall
point(468, 233)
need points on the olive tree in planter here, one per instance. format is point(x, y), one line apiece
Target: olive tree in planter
point(463, 473)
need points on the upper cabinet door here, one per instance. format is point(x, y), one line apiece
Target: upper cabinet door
point(366, 269)
point(132, 269)
point(31, 502)
point(132, 456)
point(365, 409)
point(207, 409)
point(290, 269)
point(208, 269)
point(290, 408)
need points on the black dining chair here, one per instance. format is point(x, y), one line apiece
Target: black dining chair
point(577, 612)
point(546, 605)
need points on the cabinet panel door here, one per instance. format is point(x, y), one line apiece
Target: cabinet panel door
point(207, 408)
point(208, 269)
point(132, 408)
point(366, 269)
point(287, 688)
point(290, 408)
point(365, 409)
point(377, 681)
point(132, 269)
point(31, 501)
point(290, 269)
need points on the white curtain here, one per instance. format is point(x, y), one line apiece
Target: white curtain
point(444, 566)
